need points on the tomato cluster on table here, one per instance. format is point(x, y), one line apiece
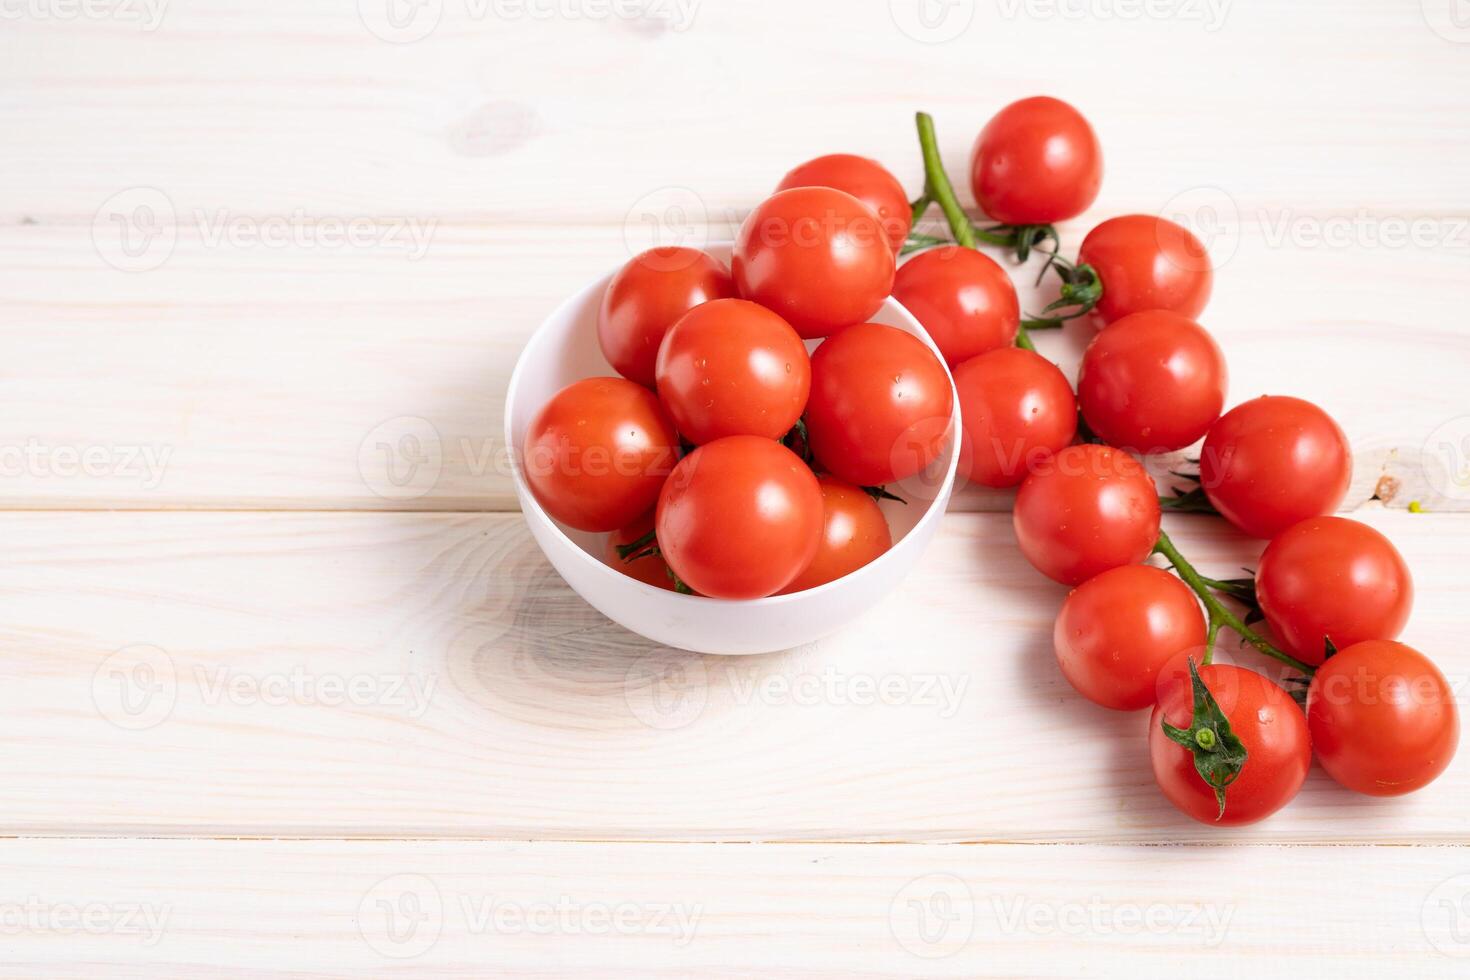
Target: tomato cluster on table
point(749, 468)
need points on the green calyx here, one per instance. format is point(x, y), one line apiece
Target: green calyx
point(1219, 756)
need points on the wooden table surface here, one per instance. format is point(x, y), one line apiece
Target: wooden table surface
point(289, 686)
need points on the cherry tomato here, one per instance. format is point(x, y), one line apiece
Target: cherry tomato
point(1147, 263)
point(854, 532)
point(1090, 508)
point(1332, 577)
point(1117, 630)
point(650, 569)
point(880, 406)
point(740, 518)
point(1016, 410)
point(1268, 723)
point(645, 298)
point(731, 368)
point(597, 454)
point(1383, 718)
point(1036, 162)
point(962, 298)
point(1274, 461)
point(816, 256)
point(1152, 382)
point(868, 181)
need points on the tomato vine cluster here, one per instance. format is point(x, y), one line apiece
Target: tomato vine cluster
point(728, 461)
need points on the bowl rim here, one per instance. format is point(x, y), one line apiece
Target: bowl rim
point(531, 506)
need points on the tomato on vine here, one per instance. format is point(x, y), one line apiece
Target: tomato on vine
point(729, 368)
point(1329, 578)
point(1147, 263)
point(868, 181)
point(1118, 630)
point(963, 298)
point(1383, 718)
point(597, 454)
point(817, 257)
point(644, 299)
point(1088, 509)
point(645, 564)
point(1016, 411)
point(1274, 461)
point(1036, 162)
point(739, 518)
point(1153, 382)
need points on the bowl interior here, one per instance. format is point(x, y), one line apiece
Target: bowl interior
point(564, 349)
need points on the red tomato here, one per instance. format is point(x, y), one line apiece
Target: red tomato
point(1274, 461)
point(1153, 382)
point(1332, 577)
point(880, 405)
point(1147, 263)
point(854, 532)
point(598, 452)
point(962, 298)
point(1383, 718)
point(1036, 162)
point(732, 368)
point(650, 569)
point(645, 298)
point(1016, 411)
point(1265, 719)
point(1089, 509)
point(740, 518)
point(1117, 630)
point(816, 256)
point(868, 181)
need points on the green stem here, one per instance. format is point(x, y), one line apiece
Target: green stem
point(938, 189)
point(1218, 613)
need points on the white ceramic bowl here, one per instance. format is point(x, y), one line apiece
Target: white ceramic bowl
point(565, 349)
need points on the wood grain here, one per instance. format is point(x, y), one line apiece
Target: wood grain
point(374, 908)
point(430, 675)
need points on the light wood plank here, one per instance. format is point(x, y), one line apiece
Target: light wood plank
point(294, 103)
point(188, 908)
point(256, 377)
point(385, 675)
